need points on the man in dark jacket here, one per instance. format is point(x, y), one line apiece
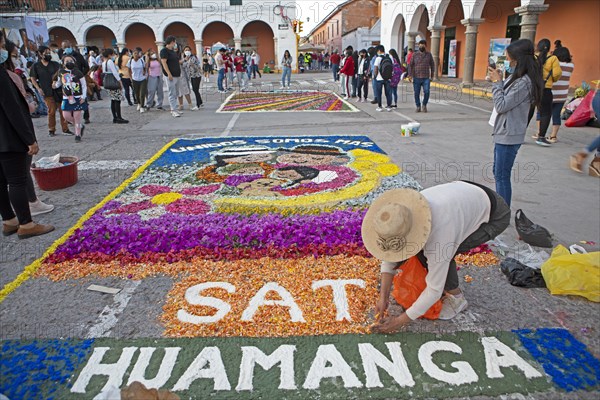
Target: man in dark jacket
point(17, 140)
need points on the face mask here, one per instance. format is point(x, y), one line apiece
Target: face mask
point(68, 50)
point(175, 47)
point(153, 56)
point(421, 49)
point(3, 56)
point(48, 57)
point(509, 69)
point(187, 53)
point(70, 65)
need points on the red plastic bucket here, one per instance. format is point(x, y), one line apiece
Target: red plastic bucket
point(59, 177)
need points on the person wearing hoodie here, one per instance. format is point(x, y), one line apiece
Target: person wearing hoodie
point(512, 100)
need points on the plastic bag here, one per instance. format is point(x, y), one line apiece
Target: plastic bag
point(574, 273)
point(521, 275)
point(409, 283)
point(583, 113)
point(534, 234)
point(48, 162)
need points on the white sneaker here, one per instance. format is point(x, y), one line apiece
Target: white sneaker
point(142, 110)
point(194, 108)
point(39, 207)
point(379, 109)
point(451, 306)
point(138, 107)
point(346, 97)
point(357, 100)
point(281, 87)
point(388, 109)
point(175, 114)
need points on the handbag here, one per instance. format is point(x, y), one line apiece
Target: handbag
point(109, 80)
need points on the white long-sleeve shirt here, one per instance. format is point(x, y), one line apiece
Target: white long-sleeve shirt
point(457, 210)
point(110, 67)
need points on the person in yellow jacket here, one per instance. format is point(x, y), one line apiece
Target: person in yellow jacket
point(551, 72)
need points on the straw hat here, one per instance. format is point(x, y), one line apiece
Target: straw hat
point(397, 225)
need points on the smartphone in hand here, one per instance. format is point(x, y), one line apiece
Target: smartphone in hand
point(491, 63)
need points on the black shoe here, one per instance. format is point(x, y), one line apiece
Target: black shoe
point(80, 133)
point(68, 132)
point(374, 102)
point(87, 121)
point(122, 121)
point(77, 139)
point(99, 98)
point(130, 104)
point(51, 134)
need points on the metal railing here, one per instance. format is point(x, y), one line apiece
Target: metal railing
point(82, 5)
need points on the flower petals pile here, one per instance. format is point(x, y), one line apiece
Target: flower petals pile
point(285, 101)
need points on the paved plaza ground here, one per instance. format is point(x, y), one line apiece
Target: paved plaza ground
point(454, 143)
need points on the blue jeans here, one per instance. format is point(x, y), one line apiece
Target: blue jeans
point(336, 70)
point(354, 85)
point(595, 145)
point(379, 87)
point(220, 79)
point(394, 91)
point(417, 83)
point(504, 159)
point(374, 87)
point(287, 73)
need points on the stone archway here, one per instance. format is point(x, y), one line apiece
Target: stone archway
point(258, 35)
point(58, 34)
point(183, 33)
point(140, 35)
point(100, 36)
point(398, 33)
point(217, 32)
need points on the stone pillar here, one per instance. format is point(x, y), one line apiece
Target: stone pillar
point(81, 48)
point(436, 32)
point(276, 54)
point(237, 43)
point(159, 45)
point(412, 38)
point(199, 47)
point(529, 19)
point(121, 46)
point(472, 26)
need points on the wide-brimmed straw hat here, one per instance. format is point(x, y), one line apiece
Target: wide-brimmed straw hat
point(397, 225)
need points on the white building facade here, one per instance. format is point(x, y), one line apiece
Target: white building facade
point(265, 27)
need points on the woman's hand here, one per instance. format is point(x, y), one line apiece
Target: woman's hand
point(81, 100)
point(381, 308)
point(494, 74)
point(33, 149)
point(391, 324)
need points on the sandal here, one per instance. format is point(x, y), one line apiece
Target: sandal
point(553, 139)
point(536, 137)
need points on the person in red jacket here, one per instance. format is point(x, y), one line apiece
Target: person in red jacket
point(335, 65)
point(348, 70)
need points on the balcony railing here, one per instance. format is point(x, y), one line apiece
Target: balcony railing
point(82, 5)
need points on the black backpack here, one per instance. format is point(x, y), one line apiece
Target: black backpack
point(386, 67)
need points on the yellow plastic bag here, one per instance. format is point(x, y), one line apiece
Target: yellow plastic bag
point(577, 273)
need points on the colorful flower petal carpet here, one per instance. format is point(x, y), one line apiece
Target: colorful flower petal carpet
point(273, 290)
point(286, 101)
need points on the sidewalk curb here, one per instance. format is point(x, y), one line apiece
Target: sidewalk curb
point(456, 88)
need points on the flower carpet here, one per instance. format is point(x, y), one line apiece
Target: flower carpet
point(273, 290)
point(286, 101)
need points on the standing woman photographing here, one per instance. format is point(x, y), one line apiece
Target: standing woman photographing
point(74, 94)
point(513, 100)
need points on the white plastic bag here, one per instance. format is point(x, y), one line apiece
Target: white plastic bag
point(48, 162)
point(493, 117)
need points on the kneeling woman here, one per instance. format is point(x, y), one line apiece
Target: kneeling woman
point(74, 90)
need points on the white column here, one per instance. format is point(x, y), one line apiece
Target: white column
point(472, 26)
point(529, 19)
point(160, 45)
point(412, 38)
point(81, 48)
point(237, 43)
point(199, 47)
point(277, 67)
point(121, 46)
point(436, 32)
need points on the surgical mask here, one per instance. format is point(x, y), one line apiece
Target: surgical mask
point(153, 56)
point(422, 49)
point(3, 56)
point(70, 65)
point(68, 50)
point(187, 53)
point(509, 69)
point(48, 57)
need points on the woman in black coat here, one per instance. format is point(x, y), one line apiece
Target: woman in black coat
point(17, 140)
